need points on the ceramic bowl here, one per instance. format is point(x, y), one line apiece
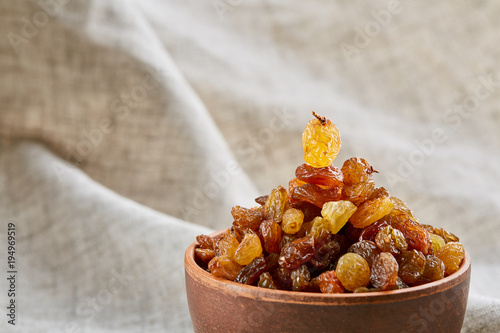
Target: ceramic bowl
point(219, 305)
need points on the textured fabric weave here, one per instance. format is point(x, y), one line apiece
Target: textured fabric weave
point(129, 127)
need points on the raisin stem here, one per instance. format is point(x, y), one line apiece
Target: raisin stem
point(321, 119)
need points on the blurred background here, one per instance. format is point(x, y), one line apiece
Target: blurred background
point(129, 127)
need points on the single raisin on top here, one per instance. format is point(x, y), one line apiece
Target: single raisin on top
point(321, 142)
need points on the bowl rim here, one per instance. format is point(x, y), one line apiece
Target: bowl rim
point(195, 272)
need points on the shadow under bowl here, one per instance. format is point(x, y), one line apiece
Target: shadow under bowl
point(219, 305)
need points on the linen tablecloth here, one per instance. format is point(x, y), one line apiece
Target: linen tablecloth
point(129, 127)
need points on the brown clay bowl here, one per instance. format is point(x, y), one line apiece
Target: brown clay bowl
point(219, 305)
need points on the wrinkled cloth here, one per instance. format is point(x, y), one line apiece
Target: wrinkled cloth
point(129, 127)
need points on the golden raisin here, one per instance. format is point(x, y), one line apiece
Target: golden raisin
point(356, 170)
point(447, 236)
point(275, 204)
point(358, 193)
point(452, 255)
point(248, 218)
point(321, 142)
point(224, 267)
point(391, 240)
point(292, 221)
point(227, 245)
point(437, 242)
point(370, 211)
point(353, 271)
point(317, 225)
point(249, 249)
point(337, 213)
point(401, 210)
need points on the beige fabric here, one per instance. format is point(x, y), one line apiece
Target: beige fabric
point(129, 127)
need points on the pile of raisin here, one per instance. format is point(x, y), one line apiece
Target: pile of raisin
point(331, 231)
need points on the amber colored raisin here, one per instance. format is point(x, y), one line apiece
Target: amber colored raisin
point(270, 236)
point(401, 210)
point(292, 184)
point(275, 204)
point(416, 236)
point(227, 245)
point(300, 278)
point(337, 213)
point(266, 281)
point(323, 237)
point(224, 267)
point(452, 255)
point(329, 283)
point(391, 240)
point(358, 193)
point(329, 176)
point(384, 271)
point(239, 232)
point(371, 231)
point(251, 272)
point(447, 236)
point(249, 249)
point(370, 211)
point(437, 242)
point(205, 255)
point(292, 221)
point(367, 249)
point(379, 192)
point(411, 266)
point(205, 242)
point(245, 217)
point(270, 232)
point(433, 271)
point(353, 271)
point(321, 142)
point(318, 224)
point(262, 199)
point(356, 170)
point(315, 194)
point(297, 253)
